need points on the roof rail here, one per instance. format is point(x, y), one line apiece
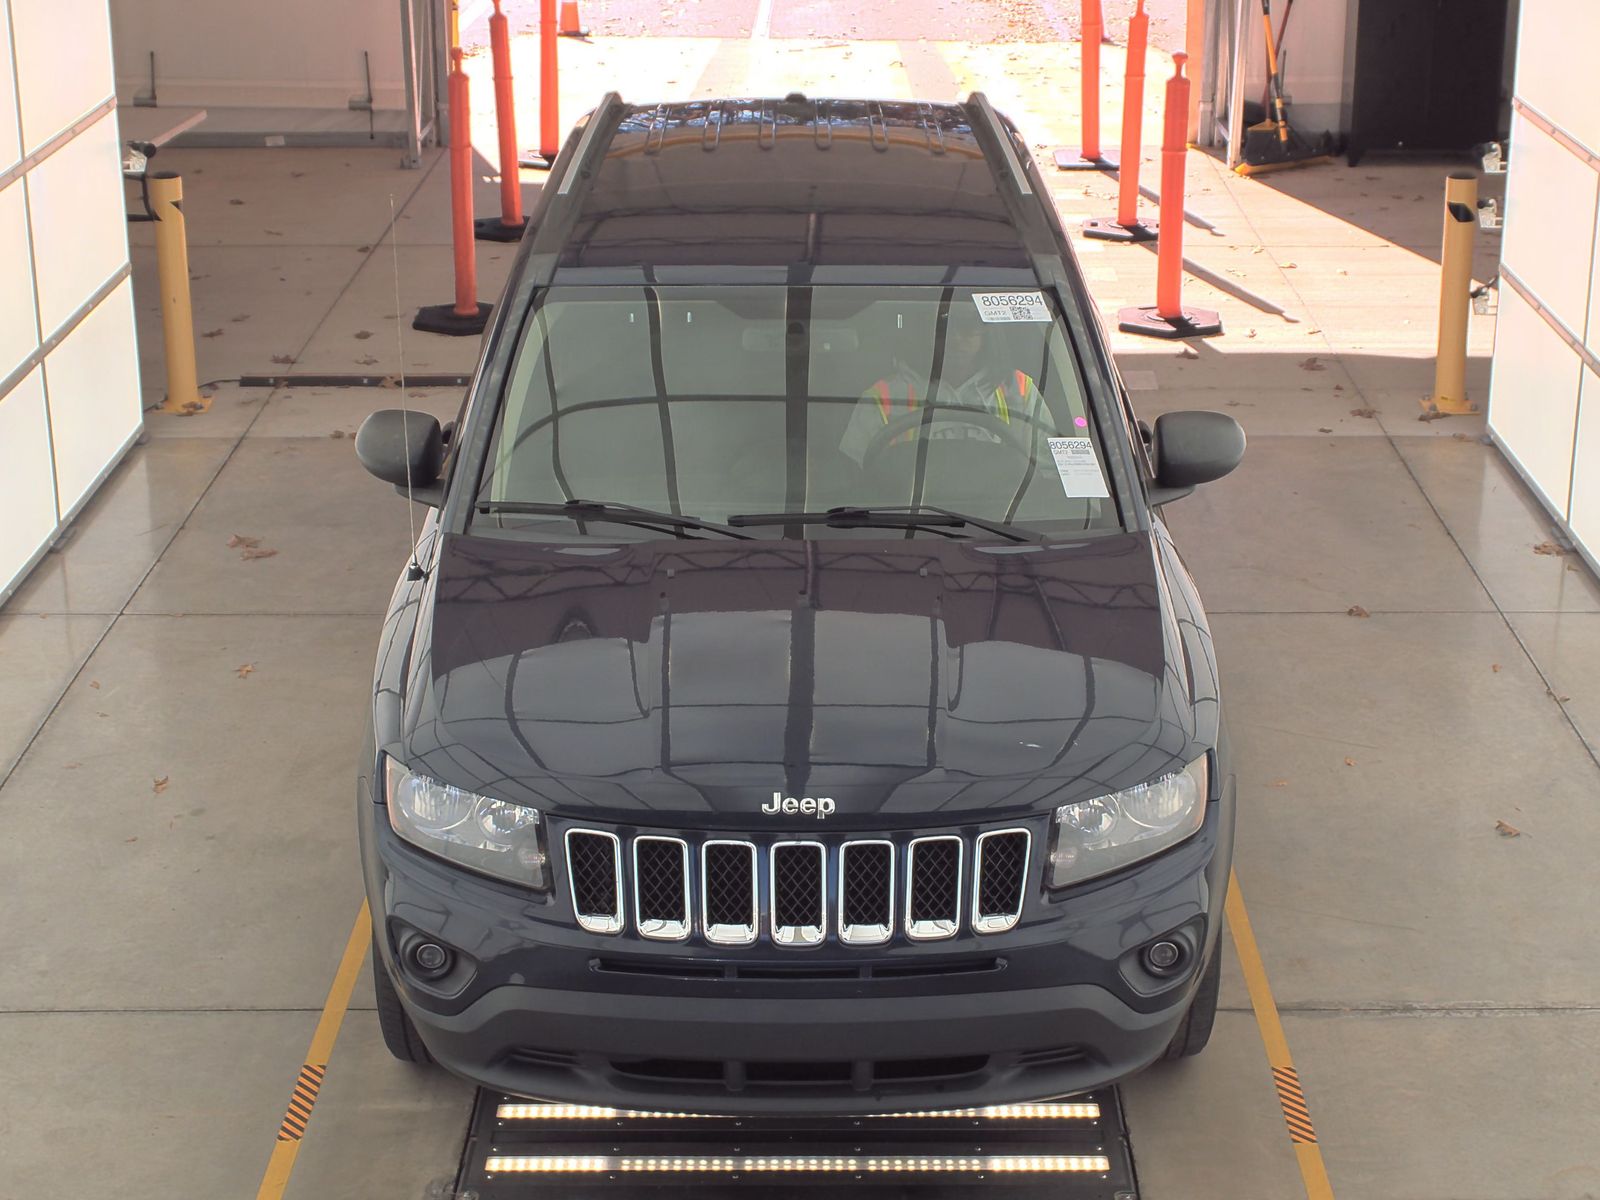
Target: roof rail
point(1015, 185)
point(563, 196)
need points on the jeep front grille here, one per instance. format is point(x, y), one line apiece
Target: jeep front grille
point(796, 891)
point(594, 867)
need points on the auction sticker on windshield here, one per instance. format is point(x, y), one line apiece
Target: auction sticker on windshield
point(1011, 306)
point(1078, 467)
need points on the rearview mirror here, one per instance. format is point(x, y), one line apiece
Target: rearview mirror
point(402, 448)
point(1192, 448)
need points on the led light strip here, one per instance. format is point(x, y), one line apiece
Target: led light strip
point(711, 1165)
point(996, 1112)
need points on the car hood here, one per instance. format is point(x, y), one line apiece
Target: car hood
point(669, 682)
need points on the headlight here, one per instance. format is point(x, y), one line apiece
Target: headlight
point(1107, 833)
point(495, 837)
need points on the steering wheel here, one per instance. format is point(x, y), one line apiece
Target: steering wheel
point(1008, 432)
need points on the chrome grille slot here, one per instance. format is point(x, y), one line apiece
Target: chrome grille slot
point(661, 887)
point(999, 879)
point(799, 893)
point(594, 872)
point(728, 905)
point(866, 893)
point(933, 888)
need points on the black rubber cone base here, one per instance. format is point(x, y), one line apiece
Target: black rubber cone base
point(533, 160)
point(1073, 160)
point(492, 229)
point(1107, 229)
point(442, 318)
point(1195, 322)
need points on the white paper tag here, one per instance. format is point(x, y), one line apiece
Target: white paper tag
point(1078, 467)
point(1011, 306)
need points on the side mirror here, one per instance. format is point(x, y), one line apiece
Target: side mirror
point(1192, 448)
point(403, 447)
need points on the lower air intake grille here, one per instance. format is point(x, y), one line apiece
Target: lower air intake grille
point(594, 867)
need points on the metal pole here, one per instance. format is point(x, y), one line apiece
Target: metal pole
point(1455, 296)
point(177, 311)
point(1241, 59)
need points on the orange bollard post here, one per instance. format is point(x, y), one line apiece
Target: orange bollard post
point(1168, 318)
point(508, 226)
point(1127, 227)
point(466, 316)
point(1089, 156)
point(549, 93)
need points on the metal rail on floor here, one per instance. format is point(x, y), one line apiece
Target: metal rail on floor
point(1073, 1149)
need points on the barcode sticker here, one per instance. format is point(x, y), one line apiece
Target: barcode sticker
point(1078, 467)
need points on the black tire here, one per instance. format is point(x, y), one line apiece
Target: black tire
point(1194, 1031)
point(399, 1034)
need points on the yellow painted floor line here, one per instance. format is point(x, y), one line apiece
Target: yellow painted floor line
point(301, 1101)
point(1296, 1113)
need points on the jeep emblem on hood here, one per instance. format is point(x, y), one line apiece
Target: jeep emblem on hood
point(819, 806)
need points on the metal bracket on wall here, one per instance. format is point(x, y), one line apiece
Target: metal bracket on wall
point(148, 99)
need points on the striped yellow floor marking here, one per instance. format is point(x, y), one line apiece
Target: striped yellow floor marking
point(1296, 1113)
point(304, 1096)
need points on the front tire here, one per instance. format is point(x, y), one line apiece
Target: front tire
point(1194, 1031)
point(399, 1034)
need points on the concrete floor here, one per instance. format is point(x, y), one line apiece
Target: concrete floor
point(195, 713)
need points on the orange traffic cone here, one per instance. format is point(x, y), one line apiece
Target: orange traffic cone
point(570, 26)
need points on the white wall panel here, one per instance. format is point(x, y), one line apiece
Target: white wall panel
point(1585, 507)
point(1550, 219)
point(1555, 65)
point(93, 383)
point(80, 229)
point(27, 491)
point(287, 53)
point(63, 63)
point(10, 137)
point(18, 332)
point(1533, 396)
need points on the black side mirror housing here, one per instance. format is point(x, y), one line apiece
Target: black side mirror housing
point(405, 449)
point(1192, 448)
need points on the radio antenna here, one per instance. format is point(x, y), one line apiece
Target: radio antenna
point(414, 571)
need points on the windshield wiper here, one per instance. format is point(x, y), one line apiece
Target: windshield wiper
point(921, 516)
point(615, 514)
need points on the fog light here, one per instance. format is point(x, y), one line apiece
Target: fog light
point(1163, 957)
point(430, 959)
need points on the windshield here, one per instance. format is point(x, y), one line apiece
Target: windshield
point(720, 402)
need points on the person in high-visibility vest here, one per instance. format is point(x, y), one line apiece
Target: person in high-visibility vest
point(967, 379)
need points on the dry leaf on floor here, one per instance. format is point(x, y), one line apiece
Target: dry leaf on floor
point(1433, 414)
point(212, 333)
point(1463, 437)
point(363, 249)
point(1551, 548)
point(95, 684)
point(161, 785)
point(239, 539)
point(1349, 762)
point(240, 317)
point(283, 358)
point(1505, 830)
point(236, 202)
point(1279, 783)
point(244, 670)
point(1323, 429)
point(362, 335)
point(1289, 266)
point(1367, 413)
point(252, 552)
point(1495, 667)
point(338, 433)
point(1355, 610)
point(1311, 364)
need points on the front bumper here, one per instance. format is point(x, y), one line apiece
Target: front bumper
point(537, 1007)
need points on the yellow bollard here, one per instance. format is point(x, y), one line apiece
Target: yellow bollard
point(177, 314)
point(1455, 297)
